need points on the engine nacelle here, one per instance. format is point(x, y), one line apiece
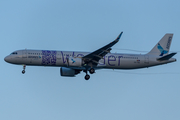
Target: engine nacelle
point(69, 72)
point(75, 62)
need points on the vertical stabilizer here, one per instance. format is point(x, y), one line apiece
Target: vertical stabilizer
point(163, 46)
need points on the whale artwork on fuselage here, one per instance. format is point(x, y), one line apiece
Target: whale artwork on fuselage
point(72, 63)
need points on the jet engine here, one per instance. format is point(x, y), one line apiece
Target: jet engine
point(69, 72)
point(75, 62)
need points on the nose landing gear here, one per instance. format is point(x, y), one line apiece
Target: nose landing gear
point(23, 71)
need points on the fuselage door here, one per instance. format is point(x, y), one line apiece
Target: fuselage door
point(24, 54)
point(146, 59)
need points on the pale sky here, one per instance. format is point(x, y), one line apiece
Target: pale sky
point(82, 25)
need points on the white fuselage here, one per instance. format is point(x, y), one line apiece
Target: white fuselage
point(59, 59)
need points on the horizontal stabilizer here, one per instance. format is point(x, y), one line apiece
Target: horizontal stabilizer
point(167, 57)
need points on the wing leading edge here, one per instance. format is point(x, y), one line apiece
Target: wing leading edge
point(95, 56)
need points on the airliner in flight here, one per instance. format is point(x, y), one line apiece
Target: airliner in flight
point(73, 62)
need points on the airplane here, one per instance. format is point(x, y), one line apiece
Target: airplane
point(72, 63)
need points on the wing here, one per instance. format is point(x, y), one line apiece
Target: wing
point(95, 56)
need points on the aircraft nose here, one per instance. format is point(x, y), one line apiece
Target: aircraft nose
point(7, 59)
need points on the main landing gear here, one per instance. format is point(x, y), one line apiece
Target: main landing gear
point(91, 71)
point(87, 77)
point(24, 67)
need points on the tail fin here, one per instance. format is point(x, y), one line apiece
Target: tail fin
point(163, 46)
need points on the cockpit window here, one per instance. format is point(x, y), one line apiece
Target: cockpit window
point(14, 53)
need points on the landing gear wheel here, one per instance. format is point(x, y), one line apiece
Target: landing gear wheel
point(91, 71)
point(23, 71)
point(87, 77)
point(24, 67)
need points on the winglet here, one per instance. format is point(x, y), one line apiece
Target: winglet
point(119, 36)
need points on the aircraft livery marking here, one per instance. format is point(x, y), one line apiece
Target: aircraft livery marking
point(168, 43)
point(111, 61)
point(161, 50)
point(48, 57)
point(64, 58)
point(35, 57)
point(73, 61)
